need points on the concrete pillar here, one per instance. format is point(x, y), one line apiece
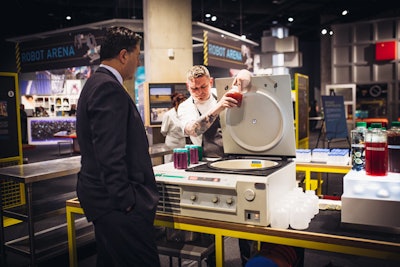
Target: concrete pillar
point(168, 52)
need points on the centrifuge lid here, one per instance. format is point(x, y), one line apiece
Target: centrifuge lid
point(264, 124)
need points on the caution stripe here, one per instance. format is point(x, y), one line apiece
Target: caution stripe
point(205, 48)
point(18, 58)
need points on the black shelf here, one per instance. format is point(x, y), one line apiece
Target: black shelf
point(53, 242)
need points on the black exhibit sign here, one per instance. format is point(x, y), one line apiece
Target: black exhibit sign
point(334, 116)
point(63, 51)
point(9, 127)
point(225, 53)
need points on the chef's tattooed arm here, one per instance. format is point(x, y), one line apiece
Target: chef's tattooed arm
point(201, 125)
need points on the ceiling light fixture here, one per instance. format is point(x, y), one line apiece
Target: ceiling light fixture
point(290, 19)
point(345, 12)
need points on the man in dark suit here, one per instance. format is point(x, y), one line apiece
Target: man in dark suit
point(116, 185)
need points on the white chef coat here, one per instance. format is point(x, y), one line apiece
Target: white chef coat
point(188, 112)
point(172, 130)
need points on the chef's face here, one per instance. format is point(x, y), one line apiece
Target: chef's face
point(200, 88)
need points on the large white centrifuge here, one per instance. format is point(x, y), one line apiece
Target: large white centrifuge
point(257, 170)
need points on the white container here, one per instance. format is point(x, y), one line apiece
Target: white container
point(315, 201)
point(280, 217)
point(299, 217)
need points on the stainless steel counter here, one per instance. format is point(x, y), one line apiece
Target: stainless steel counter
point(27, 175)
point(40, 171)
point(159, 150)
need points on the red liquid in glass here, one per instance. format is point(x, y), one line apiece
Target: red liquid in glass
point(236, 95)
point(194, 155)
point(180, 160)
point(376, 158)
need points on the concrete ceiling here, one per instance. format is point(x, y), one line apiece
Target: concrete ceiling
point(250, 17)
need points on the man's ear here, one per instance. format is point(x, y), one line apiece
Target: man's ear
point(122, 55)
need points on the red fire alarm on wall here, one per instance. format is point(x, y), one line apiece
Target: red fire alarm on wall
point(386, 50)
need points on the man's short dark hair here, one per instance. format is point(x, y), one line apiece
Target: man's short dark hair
point(116, 39)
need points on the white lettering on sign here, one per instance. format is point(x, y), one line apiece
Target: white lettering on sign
point(53, 53)
point(234, 54)
point(223, 52)
point(216, 50)
point(32, 56)
point(60, 52)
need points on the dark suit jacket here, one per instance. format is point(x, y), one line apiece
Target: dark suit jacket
point(116, 170)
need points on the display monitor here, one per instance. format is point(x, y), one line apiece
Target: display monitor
point(159, 95)
point(42, 130)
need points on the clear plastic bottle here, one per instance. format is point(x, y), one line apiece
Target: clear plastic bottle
point(358, 146)
point(315, 201)
point(393, 139)
point(376, 151)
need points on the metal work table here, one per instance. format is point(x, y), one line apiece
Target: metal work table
point(27, 175)
point(159, 150)
point(324, 233)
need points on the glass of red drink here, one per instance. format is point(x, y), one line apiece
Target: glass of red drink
point(236, 95)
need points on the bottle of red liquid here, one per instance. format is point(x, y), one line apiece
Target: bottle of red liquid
point(376, 151)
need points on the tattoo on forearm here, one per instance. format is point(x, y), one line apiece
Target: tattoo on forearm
point(201, 125)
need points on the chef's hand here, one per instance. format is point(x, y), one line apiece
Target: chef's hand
point(242, 80)
point(227, 101)
point(207, 119)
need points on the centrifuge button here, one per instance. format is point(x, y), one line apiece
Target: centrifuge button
point(215, 199)
point(249, 194)
point(229, 201)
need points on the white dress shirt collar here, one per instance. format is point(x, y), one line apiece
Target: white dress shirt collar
point(115, 72)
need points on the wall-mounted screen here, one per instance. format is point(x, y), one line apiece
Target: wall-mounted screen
point(159, 100)
point(42, 130)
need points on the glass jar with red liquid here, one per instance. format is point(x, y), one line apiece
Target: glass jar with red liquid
point(193, 153)
point(180, 156)
point(234, 93)
point(393, 139)
point(376, 151)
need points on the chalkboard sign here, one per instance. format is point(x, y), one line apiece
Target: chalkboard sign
point(302, 99)
point(9, 134)
point(334, 116)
